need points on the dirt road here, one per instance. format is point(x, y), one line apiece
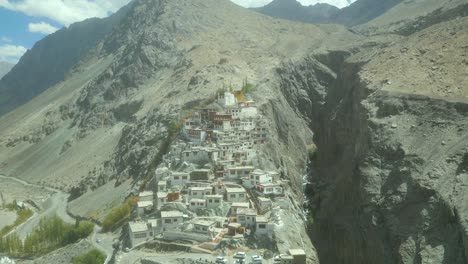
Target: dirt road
point(55, 204)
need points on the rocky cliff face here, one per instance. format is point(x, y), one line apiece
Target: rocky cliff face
point(389, 181)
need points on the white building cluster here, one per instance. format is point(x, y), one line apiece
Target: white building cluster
point(207, 171)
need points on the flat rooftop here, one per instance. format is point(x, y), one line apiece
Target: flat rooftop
point(240, 204)
point(296, 252)
point(219, 196)
point(168, 214)
point(199, 188)
point(146, 193)
point(198, 200)
point(204, 222)
point(246, 211)
point(145, 203)
point(235, 190)
point(138, 227)
point(161, 195)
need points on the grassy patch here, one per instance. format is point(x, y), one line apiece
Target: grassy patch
point(94, 256)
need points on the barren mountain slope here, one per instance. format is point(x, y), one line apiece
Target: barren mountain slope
point(5, 67)
point(414, 15)
point(51, 58)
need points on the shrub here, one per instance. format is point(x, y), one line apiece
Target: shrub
point(92, 257)
point(119, 215)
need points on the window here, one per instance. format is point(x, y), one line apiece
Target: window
point(194, 193)
point(187, 154)
point(241, 195)
point(211, 200)
point(192, 203)
point(184, 177)
point(175, 220)
point(140, 235)
point(216, 201)
point(263, 226)
point(232, 196)
point(176, 177)
point(167, 221)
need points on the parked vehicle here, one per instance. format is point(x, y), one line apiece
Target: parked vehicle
point(256, 259)
point(239, 255)
point(221, 260)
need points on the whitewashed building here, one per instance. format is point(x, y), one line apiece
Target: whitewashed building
point(264, 204)
point(214, 201)
point(145, 196)
point(269, 189)
point(179, 178)
point(144, 207)
point(142, 231)
point(162, 186)
point(199, 192)
point(227, 99)
point(171, 220)
point(237, 172)
point(246, 217)
point(263, 227)
point(195, 204)
point(161, 199)
point(236, 195)
point(204, 227)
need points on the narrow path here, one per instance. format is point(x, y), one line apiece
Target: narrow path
point(55, 204)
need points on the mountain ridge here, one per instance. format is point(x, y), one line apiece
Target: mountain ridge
point(51, 58)
point(358, 12)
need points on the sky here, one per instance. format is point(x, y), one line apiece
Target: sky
point(24, 22)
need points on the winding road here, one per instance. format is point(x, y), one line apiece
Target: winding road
point(55, 204)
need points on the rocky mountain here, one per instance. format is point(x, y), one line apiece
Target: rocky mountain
point(51, 58)
point(293, 10)
point(387, 112)
point(5, 67)
point(358, 12)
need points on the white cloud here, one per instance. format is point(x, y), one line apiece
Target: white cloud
point(11, 53)
point(64, 12)
point(5, 39)
point(257, 3)
point(41, 27)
